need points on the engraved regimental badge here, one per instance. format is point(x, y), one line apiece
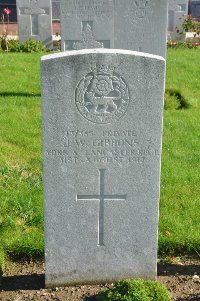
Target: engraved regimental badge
point(141, 8)
point(102, 96)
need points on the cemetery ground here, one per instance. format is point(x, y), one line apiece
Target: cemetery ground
point(21, 205)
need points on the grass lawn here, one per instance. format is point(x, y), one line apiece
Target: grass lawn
point(179, 228)
point(21, 195)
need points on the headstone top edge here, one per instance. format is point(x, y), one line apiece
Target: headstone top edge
point(100, 51)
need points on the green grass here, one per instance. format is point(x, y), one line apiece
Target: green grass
point(21, 195)
point(179, 228)
point(21, 210)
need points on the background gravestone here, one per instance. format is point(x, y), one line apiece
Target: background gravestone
point(35, 20)
point(141, 25)
point(56, 9)
point(138, 25)
point(102, 127)
point(87, 24)
point(177, 13)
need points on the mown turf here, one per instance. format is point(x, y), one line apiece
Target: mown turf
point(21, 210)
point(21, 196)
point(179, 228)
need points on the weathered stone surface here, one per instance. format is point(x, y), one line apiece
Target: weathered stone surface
point(141, 25)
point(177, 13)
point(35, 20)
point(87, 24)
point(138, 25)
point(183, 5)
point(102, 126)
point(56, 9)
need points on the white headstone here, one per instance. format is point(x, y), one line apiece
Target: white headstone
point(35, 20)
point(102, 128)
point(87, 24)
point(138, 25)
point(141, 25)
point(177, 13)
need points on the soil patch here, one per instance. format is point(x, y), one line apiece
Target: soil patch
point(25, 281)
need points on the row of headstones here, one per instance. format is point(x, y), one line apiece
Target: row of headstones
point(112, 24)
point(102, 129)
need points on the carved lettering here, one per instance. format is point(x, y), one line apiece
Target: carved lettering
point(114, 142)
point(120, 133)
point(88, 8)
point(112, 146)
point(80, 142)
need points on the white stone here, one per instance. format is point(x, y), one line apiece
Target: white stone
point(102, 127)
point(87, 24)
point(141, 25)
point(177, 13)
point(182, 4)
point(138, 25)
point(35, 21)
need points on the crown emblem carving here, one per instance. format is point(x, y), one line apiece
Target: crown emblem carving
point(141, 3)
point(103, 69)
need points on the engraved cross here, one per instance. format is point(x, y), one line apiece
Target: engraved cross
point(34, 11)
point(101, 197)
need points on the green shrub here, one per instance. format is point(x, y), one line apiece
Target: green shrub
point(9, 44)
point(189, 24)
point(3, 43)
point(171, 102)
point(135, 290)
point(174, 100)
point(32, 46)
point(13, 45)
point(157, 291)
point(182, 45)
